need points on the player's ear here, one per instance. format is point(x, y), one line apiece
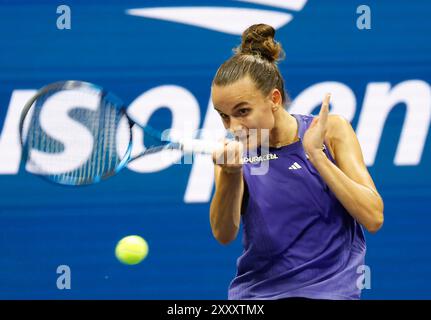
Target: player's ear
point(276, 99)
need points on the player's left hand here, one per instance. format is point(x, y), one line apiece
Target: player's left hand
point(315, 134)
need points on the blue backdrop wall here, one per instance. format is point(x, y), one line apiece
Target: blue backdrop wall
point(166, 54)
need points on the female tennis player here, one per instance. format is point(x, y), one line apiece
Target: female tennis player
point(302, 219)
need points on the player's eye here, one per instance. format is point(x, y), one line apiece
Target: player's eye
point(243, 112)
point(224, 116)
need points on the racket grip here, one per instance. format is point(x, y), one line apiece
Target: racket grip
point(200, 146)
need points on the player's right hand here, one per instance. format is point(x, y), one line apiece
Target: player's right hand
point(228, 155)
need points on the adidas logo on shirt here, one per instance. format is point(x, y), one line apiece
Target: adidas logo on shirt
point(295, 166)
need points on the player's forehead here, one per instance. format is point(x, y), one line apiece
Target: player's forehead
point(227, 96)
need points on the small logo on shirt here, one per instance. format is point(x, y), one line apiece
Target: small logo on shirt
point(266, 157)
point(295, 166)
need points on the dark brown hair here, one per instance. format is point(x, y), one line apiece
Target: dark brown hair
point(257, 57)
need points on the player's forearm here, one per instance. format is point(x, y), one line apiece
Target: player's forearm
point(225, 210)
point(363, 203)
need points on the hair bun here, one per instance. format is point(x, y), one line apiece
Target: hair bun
point(258, 39)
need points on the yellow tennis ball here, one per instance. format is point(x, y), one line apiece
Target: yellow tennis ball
point(131, 250)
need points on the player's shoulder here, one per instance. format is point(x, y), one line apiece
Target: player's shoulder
point(338, 131)
point(336, 126)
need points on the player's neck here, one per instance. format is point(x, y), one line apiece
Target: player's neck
point(285, 130)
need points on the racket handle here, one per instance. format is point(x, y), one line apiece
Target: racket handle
point(200, 146)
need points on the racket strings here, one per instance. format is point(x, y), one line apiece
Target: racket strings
point(102, 123)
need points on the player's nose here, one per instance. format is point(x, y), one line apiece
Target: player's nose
point(239, 132)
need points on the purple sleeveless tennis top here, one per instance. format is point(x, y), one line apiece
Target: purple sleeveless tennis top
point(299, 241)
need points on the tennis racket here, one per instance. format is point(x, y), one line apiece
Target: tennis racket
point(76, 133)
